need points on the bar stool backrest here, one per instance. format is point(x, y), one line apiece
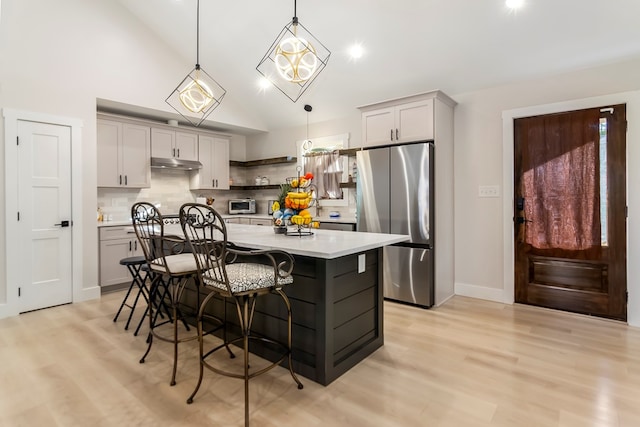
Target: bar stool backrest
point(149, 228)
point(206, 233)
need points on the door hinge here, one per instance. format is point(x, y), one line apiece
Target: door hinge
point(626, 296)
point(626, 211)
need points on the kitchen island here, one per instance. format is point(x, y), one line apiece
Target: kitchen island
point(336, 298)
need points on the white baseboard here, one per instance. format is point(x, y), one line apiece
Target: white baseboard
point(6, 310)
point(87, 294)
point(481, 292)
point(445, 300)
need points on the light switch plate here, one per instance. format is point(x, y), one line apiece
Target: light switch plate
point(362, 259)
point(489, 191)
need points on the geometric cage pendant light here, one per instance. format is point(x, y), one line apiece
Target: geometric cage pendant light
point(198, 94)
point(294, 59)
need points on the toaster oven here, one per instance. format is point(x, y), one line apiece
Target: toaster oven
point(242, 206)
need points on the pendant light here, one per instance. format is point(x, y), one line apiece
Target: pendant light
point(294, 59)
point(198, 94)
point(307, 145)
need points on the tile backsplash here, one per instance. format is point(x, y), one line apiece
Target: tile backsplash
point(170, 189)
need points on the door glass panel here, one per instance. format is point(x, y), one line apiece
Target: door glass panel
point(603, 182)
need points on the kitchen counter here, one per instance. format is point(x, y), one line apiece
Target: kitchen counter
point(114, 223)
point(326, 244)
point(340, 220)
point(336, 297)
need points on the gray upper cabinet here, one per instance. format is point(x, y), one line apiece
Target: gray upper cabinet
point(404, 120)
point(123, 152)
point(214, 156)
point(168, 143)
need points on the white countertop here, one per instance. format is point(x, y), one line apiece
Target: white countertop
point(114, 223)
point(341, 219)
point(322, 244)
point(345, 220)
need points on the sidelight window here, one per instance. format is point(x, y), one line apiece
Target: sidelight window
point(603, 182)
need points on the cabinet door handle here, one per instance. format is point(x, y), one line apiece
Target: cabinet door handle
point(216, 183)
point(120, 179)
point(126, 180)
point(129, 245)
point(135, 245)
point(173, 150)
point(397, 137)
point(178, 153)
point(391, 134)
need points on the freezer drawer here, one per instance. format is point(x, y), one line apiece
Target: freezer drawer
point(408, 275)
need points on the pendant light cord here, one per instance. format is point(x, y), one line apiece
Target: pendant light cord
point(198, 35)
point(295, 14)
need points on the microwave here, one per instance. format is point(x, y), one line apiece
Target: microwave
point(242, 206)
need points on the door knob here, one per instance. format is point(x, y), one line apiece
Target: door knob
point(63, 224)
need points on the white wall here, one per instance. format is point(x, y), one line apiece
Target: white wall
point(482, 224)
point(282, 142)
point(57, 57)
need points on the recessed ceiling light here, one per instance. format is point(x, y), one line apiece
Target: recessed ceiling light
point(514, 4)
point(356, 51)
point(264, 83)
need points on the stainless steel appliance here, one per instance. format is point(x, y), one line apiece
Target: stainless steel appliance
point(395, 195)
point(242, 206)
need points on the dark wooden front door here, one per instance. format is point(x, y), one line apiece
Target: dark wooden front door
point(570, 211)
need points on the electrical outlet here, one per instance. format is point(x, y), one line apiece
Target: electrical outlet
point(489, 191)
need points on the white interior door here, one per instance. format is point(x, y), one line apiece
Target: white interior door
point(44, 206)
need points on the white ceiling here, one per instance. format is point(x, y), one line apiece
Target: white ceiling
point(411, 46)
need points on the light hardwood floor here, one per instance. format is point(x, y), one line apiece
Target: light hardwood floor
point(467, 363)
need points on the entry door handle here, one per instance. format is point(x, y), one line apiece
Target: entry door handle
point(521, 220)
point(63, 224)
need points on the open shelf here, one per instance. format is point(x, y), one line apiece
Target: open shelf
point(263, 162)
point(349, 151)
point(255, 187)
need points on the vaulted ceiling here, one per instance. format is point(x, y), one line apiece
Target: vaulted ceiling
point(410, 46)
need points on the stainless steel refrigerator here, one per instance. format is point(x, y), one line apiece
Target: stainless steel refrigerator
point(395, 195)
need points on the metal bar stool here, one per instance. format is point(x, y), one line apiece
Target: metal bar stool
point(158, 299)
point(134, 264)
point(241, 276)
point(170, 269)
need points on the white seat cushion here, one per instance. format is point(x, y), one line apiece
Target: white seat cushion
point(245, 277)
point(176, 264)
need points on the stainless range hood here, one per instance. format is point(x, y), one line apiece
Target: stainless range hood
point(180, 164)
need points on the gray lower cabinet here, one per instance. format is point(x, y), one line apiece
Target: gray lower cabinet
point(260, 221)
point(116, 242)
